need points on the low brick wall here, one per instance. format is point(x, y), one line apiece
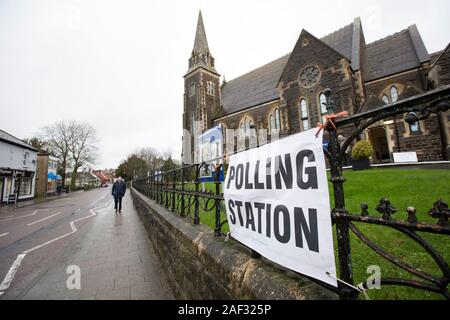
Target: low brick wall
point(200, 266)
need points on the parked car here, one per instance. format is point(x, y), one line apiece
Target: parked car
point(103, 185)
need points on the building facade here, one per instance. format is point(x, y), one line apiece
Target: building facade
point(285, 96)
point(17, 168)
point(46, 175)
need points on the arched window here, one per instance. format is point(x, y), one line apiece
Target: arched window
point(271, 122)
point(394, 94)
point(277, 119)
point(322, 104)
point(246, 124)
point(385, 99)
point(304, 114)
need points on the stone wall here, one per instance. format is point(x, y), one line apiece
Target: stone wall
point(200, 266)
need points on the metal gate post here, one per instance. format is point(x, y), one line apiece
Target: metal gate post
point(343, 236)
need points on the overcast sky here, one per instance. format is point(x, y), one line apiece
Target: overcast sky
point(120, 64)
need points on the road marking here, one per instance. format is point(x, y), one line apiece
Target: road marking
point(24, 216)
point(4, 234)
point(12, 272)
point(15, 266)
point(51, 216)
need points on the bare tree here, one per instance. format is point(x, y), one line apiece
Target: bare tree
point(58, 138)
point(83, 147)
point(151, 156)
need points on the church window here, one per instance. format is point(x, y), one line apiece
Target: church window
point(304, 114)
point(210, 88)
point(309, 76)
point(385, 99)
point(192, 89)
point(271, 122)
point(275, 120)
point(322, 104)
point(414, 127)
point(246, 124)
point(394, 94)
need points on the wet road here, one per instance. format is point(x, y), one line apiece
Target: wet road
point(34, 237)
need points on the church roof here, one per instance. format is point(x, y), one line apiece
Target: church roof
point(253, 88)
point(399, 52)
point(260, 85)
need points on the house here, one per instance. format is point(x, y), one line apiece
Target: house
point(103, 178)
point(83, 179)
point(17, 169)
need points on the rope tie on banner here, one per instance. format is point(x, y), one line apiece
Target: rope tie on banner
point(360, 287)
point(329, 119)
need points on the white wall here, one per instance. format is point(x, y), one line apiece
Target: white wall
point(12, 156)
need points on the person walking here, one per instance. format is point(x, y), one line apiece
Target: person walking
point(118, 191)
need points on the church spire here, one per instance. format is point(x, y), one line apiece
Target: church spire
point(200, 43)
point(201, 56)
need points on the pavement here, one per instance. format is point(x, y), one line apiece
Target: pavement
point(78, 248)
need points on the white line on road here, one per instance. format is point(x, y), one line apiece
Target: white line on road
point(4, 234)
point(12, 272)
point(24, 216)
point(15, 266)
point(51, 216)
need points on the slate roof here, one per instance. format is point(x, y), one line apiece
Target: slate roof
point(253, 88)
point(4, 136)
point(399, 52)
point(341, 41)
point(402, 51)
point(260, 85)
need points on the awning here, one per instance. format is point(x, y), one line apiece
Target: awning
point(51, 176)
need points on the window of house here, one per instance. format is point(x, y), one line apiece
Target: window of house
point(322, 103)
point(414, 127)
point(210, 88)
point(25, 186)
point(385, 99)
point(26, 157)
point(192, 123)
point(304, 114)
point(394, 94)
point(192, 89)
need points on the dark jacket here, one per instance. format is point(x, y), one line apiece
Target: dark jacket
point(118, 189)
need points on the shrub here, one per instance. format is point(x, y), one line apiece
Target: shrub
point(362, 150)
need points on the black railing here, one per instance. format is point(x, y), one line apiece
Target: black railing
point(179, 191)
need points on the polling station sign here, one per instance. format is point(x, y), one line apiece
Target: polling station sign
point(277, 203)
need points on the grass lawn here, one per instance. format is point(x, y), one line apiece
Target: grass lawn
point(419, 188)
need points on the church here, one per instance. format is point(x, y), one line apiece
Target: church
point(285, 95)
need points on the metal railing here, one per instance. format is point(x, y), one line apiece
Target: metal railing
point(179, 191)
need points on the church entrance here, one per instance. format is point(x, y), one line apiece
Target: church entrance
point(378, 139)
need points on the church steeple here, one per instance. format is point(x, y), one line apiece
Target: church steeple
point(200, 43)
point(201, 56)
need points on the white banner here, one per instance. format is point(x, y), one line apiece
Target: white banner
point(277, 203)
